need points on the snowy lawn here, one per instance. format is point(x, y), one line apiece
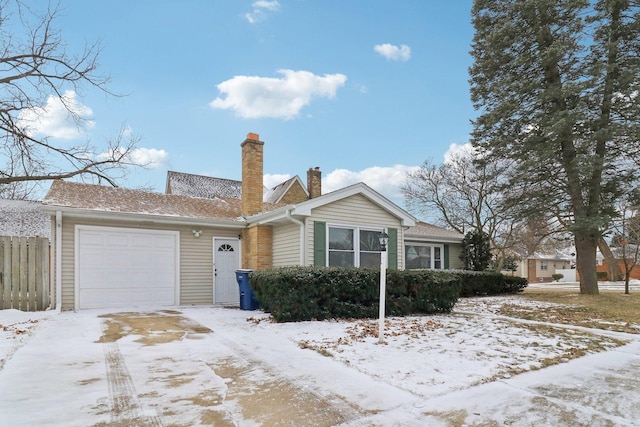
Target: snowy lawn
point(424, 359)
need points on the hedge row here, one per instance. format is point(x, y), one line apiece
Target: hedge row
point(306, 293)
point(483, 283)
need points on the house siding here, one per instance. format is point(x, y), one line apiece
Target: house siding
point(455, 263)
point(196, 258)
point(356, 210)
point(286, 245)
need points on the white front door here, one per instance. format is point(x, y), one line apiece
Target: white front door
point(226, 260)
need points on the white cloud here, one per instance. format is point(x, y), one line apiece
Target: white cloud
point(271, 180)
point(55, 119)
point(255, 97)
point(260, 9)
point(385, 180)
point(455, 150)
point(393, 52)
point(150, 158)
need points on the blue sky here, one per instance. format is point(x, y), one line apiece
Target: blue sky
point(365, 90)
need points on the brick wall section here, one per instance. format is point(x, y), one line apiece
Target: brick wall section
point(296, 194)
point(252, 170)
point(635, 271)
point(314, 182)
point(257, 247)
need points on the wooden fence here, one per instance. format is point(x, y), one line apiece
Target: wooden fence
point(24, 273)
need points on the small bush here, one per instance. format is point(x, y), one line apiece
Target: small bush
point(557, 276)
point(602, 275)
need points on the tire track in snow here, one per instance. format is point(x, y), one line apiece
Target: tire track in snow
point(125, 406)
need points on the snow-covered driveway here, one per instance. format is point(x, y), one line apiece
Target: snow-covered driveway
point(227, 367)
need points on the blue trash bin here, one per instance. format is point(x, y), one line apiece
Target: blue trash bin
point(247, 300)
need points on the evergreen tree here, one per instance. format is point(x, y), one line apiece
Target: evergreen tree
point(557, 84)
point(476, 251)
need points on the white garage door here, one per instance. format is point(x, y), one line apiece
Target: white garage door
point(121, 267)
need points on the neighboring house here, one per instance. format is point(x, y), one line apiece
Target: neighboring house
point(23, 218)
point(117, 247)
point(432, 247)
point(540, 267)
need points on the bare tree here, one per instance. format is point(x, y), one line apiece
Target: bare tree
point(462, 194)
point(35, 67)
point(626, 241)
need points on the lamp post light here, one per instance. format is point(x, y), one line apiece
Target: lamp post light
point(384, 239)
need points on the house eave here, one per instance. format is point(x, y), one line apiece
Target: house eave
point(432, 239)
point(144, 217)
point(303, 209)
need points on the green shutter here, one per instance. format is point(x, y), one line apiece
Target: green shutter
point(446, 257)
point(393, 248)
point(320, 243)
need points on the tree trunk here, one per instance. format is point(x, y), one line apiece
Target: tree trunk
point(586, 265)
point(613, 268)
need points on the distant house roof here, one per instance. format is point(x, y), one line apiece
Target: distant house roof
point(275, 194)
point(94, 199)
point(206, 187)
point(23, 219)
point(425, 231)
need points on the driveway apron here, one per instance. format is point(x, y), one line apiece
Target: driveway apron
point(151, 369)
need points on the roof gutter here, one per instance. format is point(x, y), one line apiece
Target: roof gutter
point(144, 218)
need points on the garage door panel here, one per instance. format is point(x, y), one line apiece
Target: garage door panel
point(125, 267)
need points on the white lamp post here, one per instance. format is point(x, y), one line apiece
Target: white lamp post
point(384, 239)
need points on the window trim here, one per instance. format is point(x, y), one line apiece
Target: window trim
point(356, 240)
point(431, 245)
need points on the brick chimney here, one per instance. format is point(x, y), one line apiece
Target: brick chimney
point(252, 156)
point(314, 182)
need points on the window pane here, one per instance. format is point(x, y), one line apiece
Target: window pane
point(370, 259)
point(437, 258)
point(370, 240)
point(417, 256)
point(341, 238)
point(340, 259)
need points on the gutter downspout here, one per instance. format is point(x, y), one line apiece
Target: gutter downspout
point(302, 245)
point(58, 261)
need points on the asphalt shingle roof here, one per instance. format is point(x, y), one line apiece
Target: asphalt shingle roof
point(426, 230)
point(124, 200)
point(23, 219)
point(207, 187)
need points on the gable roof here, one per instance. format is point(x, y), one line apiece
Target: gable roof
point(116, 202)
point(425, 231)
point(276, 194)
point(304, 208)
point(23, 218)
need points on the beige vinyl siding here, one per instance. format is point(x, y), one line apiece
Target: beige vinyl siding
point(196, 258)
point(286, 245)
point(356, 210)
point(455, 263)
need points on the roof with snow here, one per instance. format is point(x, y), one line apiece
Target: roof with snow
point(206, 187)
point(23, 218)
